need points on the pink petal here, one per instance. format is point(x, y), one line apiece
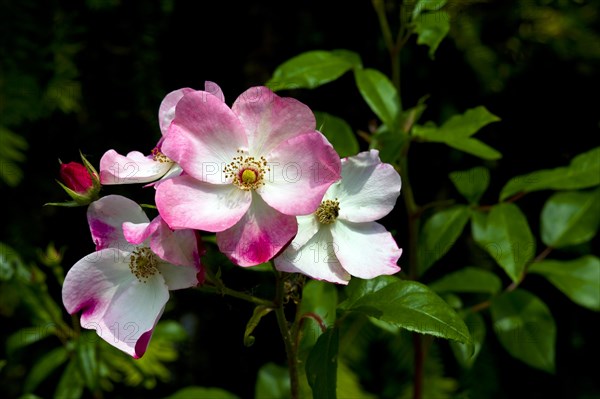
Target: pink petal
point(186, 203)
point(179, 277)
point(204, 136)
point(166, 111)
point(368, 190)
point(137, 233)
point(316, 259)
point(214, 89)
point(302, 169)
point(133, 168)
point(121, 309)
point(365, 250)
point(179, 247)
point(106, 217)
point(270, 119)
point(258, 236)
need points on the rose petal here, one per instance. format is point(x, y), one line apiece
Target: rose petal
point(368, 190)
point(106, 217)
point(204, 136)
point(259, 235)
point(187, 203)
point(166, 111)
point(307, 228)
point(179, 277)
point(121, 309)
point(133, 168)
point(302, 169)
point(179, 247)
point(214, 89)
point(365, 250)
point(270, 119)
point(316, 259)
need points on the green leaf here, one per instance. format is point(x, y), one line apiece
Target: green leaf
point(11, 154)
point(578, 279)
point(471, 183)
point(357, 288)
point(468, 279)
point(70, 385)
point(582, 172)
point(456, 132)
point(348, 384)
point(506, 236)
point(407, 304)
point(319, 300)
point(338, 132)
point(389, 143)
point(273, 382)
point(258, 313)
point(88, 360)
point(193, 392)
point(431, 29)
point(570, 218)
point(321, 366)
point(28, 336)
point(380, 94)
point(430, 5)
point(312, 69)
point(43, 367)
point(439, 234)
point(526, 328)
point(467, 354)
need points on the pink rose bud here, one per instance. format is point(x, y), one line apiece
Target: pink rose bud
point(76, 176)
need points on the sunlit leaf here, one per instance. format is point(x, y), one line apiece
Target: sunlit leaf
point(468, 279)
point(380, 94)
point(338, 132)
point(432, 28)
point(273, 382)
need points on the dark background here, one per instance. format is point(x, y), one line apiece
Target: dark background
point(532, 63)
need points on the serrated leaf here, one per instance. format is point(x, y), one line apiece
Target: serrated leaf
point(321, 365)
point(471, 183)
point(202, 392)
point(432, 28)
point(468, 279)
point(408, 304)
point(311, 69)
point(273, 382)
point(43, 367)
point(456, 132)
point(467, 354)
point(578, 279)
point(70, 385)
point(380, 94)
point(582, 172)
point(439, 234)
point(525, 328)
point(504, 233)
point(570, 218)
point(338, 132)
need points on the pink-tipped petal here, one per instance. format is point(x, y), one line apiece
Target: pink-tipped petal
point(106, 217)
point(133, 168)
point(187, 203)
point(270, 119)
point(166, 111)
point(179, 247)
point(259, 235)
point(302, 169)
point(368, 190)
point(316, 259)
point(179, 277)
point(214, 89)
point(365, 250)
point(204, 136)
point(121, 309)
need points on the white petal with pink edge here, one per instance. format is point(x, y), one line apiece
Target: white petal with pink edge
point(204, 137)
point(368, 190)
point(259, 235)
point(187, 203)
point(365, 250)
point(270, 119)
point(179, 247)
point(302, 169)
point(133, 168)
point(179, 277)
point(106, 217)
point(316, 259)
point(166, 111)
point(122, 309)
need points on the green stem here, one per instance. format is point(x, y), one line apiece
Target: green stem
point(223, 290)
point(290, 349)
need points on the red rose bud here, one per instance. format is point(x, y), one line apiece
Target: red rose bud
point(76, 177)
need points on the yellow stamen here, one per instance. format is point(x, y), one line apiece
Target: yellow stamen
point(328, 211)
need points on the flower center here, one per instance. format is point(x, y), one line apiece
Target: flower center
point(248, 173)
point(142, 264)
point(159, 156)
point(328, 211)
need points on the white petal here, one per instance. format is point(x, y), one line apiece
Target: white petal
point(133, 168)
point(179, 277)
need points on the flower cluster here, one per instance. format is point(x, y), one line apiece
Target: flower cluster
point(259, 175)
